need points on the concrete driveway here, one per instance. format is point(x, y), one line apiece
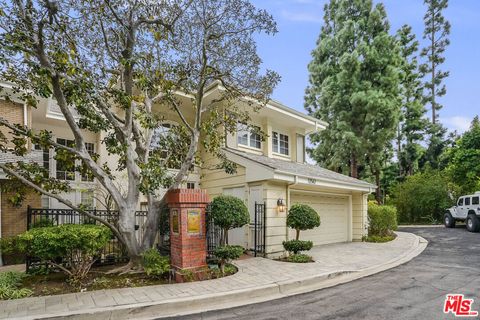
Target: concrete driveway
point(415, 290)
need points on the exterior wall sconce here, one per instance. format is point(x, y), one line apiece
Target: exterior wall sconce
point(280, 205)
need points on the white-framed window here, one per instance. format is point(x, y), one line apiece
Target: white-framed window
point(248, 136)
point(45, 201)
point(87, 199)
point(65, 170)
point(45, 158)
point(159, 135)
point(190, 185)
point(280, 143)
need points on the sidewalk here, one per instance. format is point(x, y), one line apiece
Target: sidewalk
point(257, 280)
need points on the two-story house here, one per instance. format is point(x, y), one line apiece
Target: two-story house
point(273, 172)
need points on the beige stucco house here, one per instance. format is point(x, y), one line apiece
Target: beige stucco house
point(271, 172)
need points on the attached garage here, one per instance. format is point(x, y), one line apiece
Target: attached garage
point(334, 217)
point(341, 201)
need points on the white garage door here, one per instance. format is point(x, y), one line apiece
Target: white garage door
point(333, 217)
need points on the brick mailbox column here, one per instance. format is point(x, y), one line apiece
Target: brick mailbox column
point(188, 242)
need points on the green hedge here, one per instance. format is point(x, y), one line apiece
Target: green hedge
point(382, 219)
point(76, 244)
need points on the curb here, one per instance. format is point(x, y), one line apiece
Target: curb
point(217, 301)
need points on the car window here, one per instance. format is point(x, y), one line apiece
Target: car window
point(460, 202)
point(467, 201)
point(475, 200)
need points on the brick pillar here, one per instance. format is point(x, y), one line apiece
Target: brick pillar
point(188, 242)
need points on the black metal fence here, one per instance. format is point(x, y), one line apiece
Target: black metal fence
point(259, 229)
point(213, 234)
point(112, 253)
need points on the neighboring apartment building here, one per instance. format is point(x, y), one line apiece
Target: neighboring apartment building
point(273, 172)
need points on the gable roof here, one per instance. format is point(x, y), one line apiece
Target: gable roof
point(300, 169)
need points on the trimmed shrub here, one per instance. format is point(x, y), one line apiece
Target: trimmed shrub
point(226, 254)
point(296, 246)
point(76, 245)
point(302, 217)
point(10, 283)
point(154, 264)
point(382, 220)
point(229, 212)
point(299, 258)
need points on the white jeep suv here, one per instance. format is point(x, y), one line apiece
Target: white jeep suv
point(468, 210)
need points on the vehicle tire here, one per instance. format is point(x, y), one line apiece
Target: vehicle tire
point(448, 220)
point(473, 225)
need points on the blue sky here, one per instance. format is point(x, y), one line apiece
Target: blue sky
point(299, 22)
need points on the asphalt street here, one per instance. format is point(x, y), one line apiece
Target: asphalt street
point(415, 290)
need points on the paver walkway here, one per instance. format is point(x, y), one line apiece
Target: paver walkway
point(253, 274)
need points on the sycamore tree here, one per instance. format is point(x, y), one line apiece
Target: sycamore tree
point(413, 124)
point(354, 86)
point(115, 67)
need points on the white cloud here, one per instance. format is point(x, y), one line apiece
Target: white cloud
point(459, 123)
point(301, 16)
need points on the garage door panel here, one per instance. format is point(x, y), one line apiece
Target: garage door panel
point(333, 213)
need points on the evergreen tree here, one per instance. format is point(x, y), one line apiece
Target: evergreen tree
point(436, 32)
point(354, 86)
point(413, 124)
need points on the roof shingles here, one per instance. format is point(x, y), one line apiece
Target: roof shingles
point(301, 169)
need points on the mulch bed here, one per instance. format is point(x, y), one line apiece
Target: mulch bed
point(55, 283)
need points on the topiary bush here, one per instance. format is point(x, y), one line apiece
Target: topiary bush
point(382, 220)
point(154, 264)
point(226, 254)
point(296, 246)
point(302, 217)
point(10, 283)
point(76, 245)
point(229, 212)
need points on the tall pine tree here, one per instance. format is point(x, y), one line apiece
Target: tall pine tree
point(436, 32)
point(413, 125)
point(354, 86)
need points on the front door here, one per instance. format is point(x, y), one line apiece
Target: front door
point(255, 196)
point(236, 236)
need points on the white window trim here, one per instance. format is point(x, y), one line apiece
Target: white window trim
point(289, 144)
point(248, 146)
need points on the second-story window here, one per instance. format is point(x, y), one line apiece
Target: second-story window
point(65, 169)
point(280, 143)
point(248, 136)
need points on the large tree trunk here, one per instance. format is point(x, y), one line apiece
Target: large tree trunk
point(126, 226)
point(152, 224)
point(353, 166)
